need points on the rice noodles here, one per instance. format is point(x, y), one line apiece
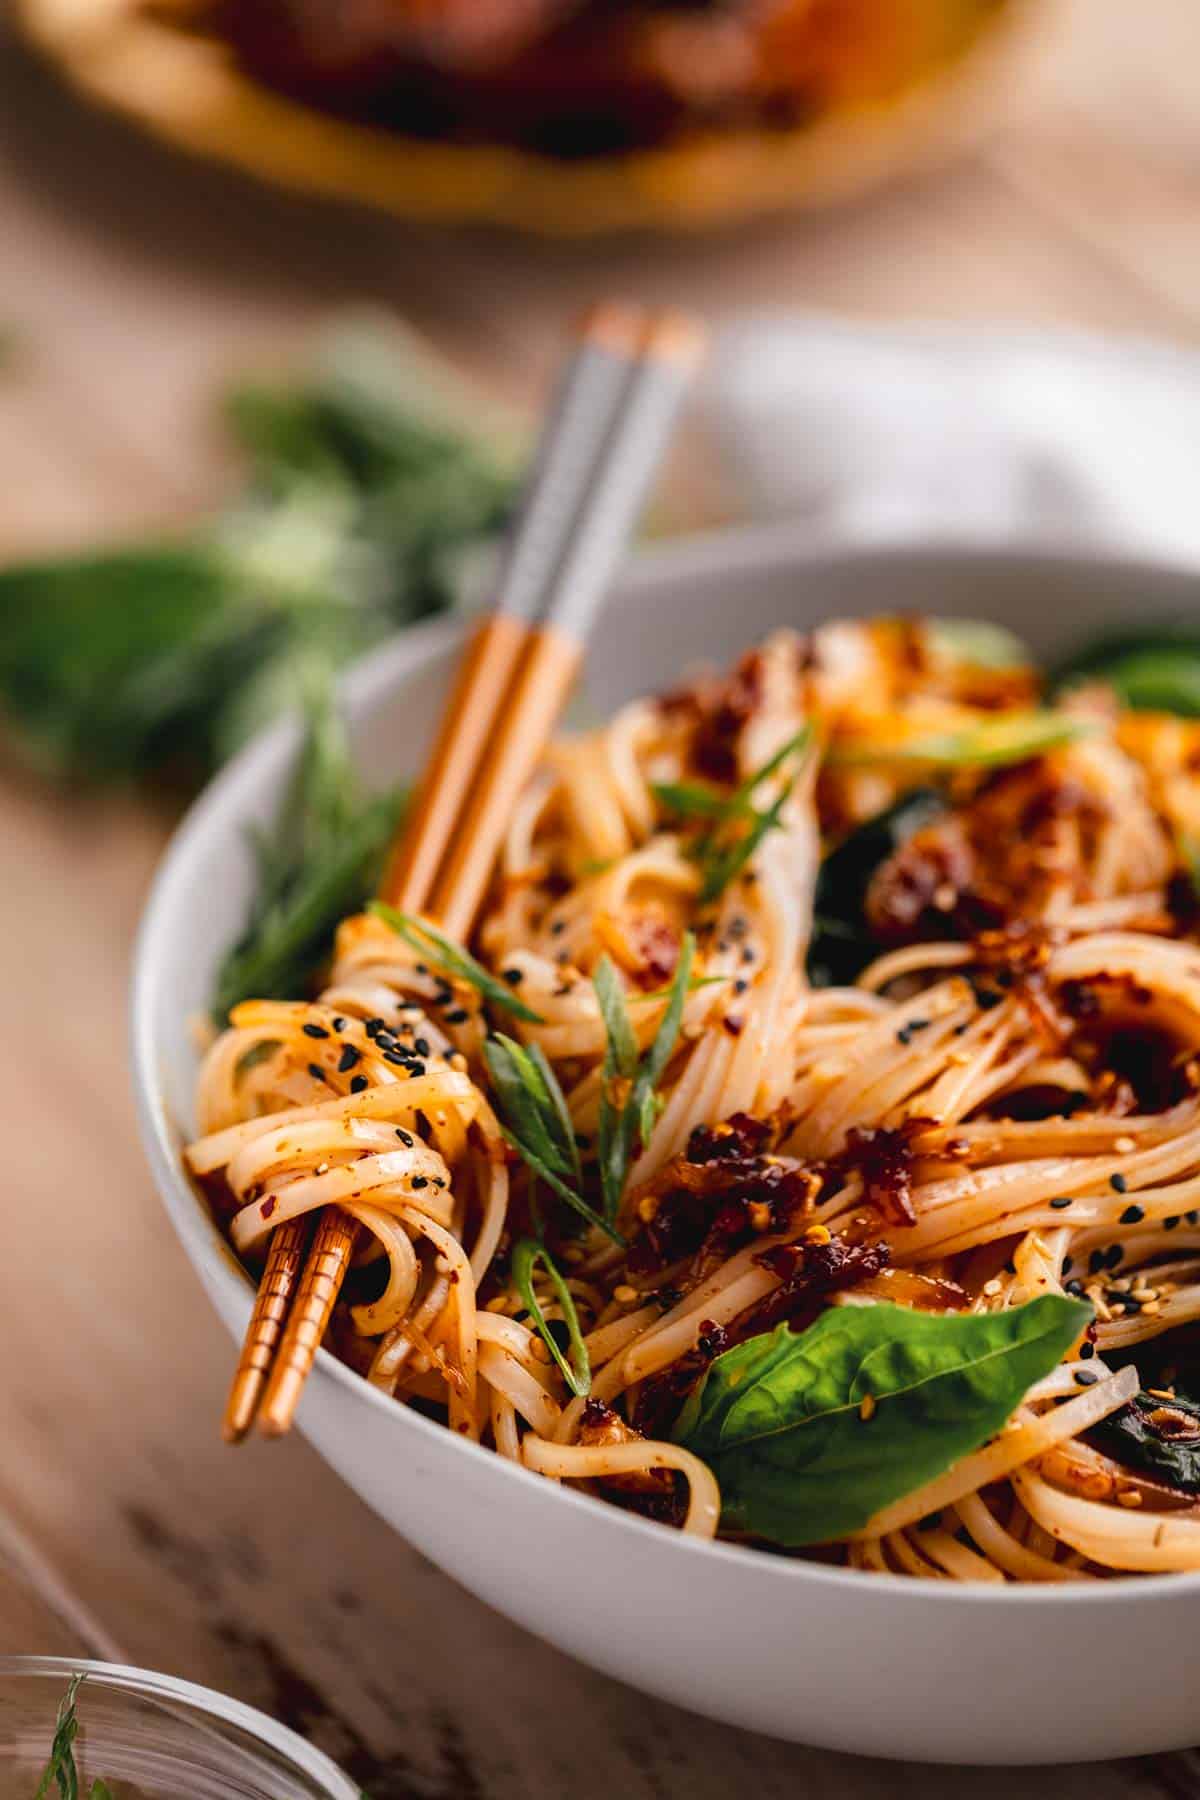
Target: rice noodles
point(1000, 1102)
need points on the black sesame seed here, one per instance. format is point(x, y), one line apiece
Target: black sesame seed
point(1170, 1222)
point(406, 1137)
point(339, 1024)
point(1075, 1288)
point(421, 968)
point(512, 976)
point(419, 1181)
point(740, 985)
point(558, 927)
point(1086, 1378)
point(1095, 1262)
point(748, 956)
point(1068, 1264)
point(358, 1083)
point(348, 1058)
point(1087, 1350)
point(1115, 1257)
point(457, 1017)
point(315, 1031)
point(1118, 1184)
point(1133, 1215)
point(987, 998)
point(421, 1046)
point(316, 1071)
point(1193, 1217)
point(1060, 1201)
point(373, 1027)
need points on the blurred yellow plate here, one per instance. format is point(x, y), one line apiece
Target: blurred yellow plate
point(189, 90)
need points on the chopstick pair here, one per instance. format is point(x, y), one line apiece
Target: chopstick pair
point(596, 458)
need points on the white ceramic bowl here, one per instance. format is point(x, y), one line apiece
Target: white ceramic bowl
point(882, 1665)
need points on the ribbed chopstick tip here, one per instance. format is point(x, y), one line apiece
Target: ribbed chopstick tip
point(676, 337)
point(618, 326)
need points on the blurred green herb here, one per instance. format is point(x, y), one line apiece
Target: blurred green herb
point(738, 826)
point(61, 1770)
point(317, 863)
point(992, 744)
point(370, 480)
point(1152, 669)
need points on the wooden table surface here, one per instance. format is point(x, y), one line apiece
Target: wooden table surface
point(135, 282)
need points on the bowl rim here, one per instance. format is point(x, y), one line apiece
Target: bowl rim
point(741, 552)
point(206, 1702)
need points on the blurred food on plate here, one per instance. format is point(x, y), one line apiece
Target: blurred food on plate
point(572, 115)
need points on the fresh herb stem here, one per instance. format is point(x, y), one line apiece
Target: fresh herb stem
point(992, 744)
point(527, 1253)
point(316, 865)
point(536, 1123)
point(453, 960)
point(737, 827)
point(62, 1770)
point(630, 1120)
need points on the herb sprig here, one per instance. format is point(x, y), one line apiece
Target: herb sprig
point(453, 960)
point(630, 1121)
point(992, 744)
point(61, 1770)
point(368, 479)
point(316, 865)
point(577, 1372)
point(737, 825)
point(536, 1124)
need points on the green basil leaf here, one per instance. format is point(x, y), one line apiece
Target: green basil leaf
point(526, 1254)
point(1161, 1437)
point(450, 957)
point(996, 742)
point(780, 1418)
point(841, 945)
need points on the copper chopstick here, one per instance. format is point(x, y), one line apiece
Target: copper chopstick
point(597, 456)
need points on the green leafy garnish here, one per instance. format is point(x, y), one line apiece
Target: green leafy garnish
point(452, 959)
point(317, 864)
point(368, 480)
point(630, 1121)
point(61, 1770)
point(992, 744)
point(737, 826)
point(536, 1124)
point(810, 1433)
point(577, 1373)
point(977, 642)
point(1161, 1437)
point(1152, 669)
point(842, 945)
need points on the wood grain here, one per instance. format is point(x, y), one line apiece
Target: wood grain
point(137, 281)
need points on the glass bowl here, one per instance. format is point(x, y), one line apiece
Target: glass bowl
point(153, 1737)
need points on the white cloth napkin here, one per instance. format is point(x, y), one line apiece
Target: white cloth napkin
point(971, 433)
